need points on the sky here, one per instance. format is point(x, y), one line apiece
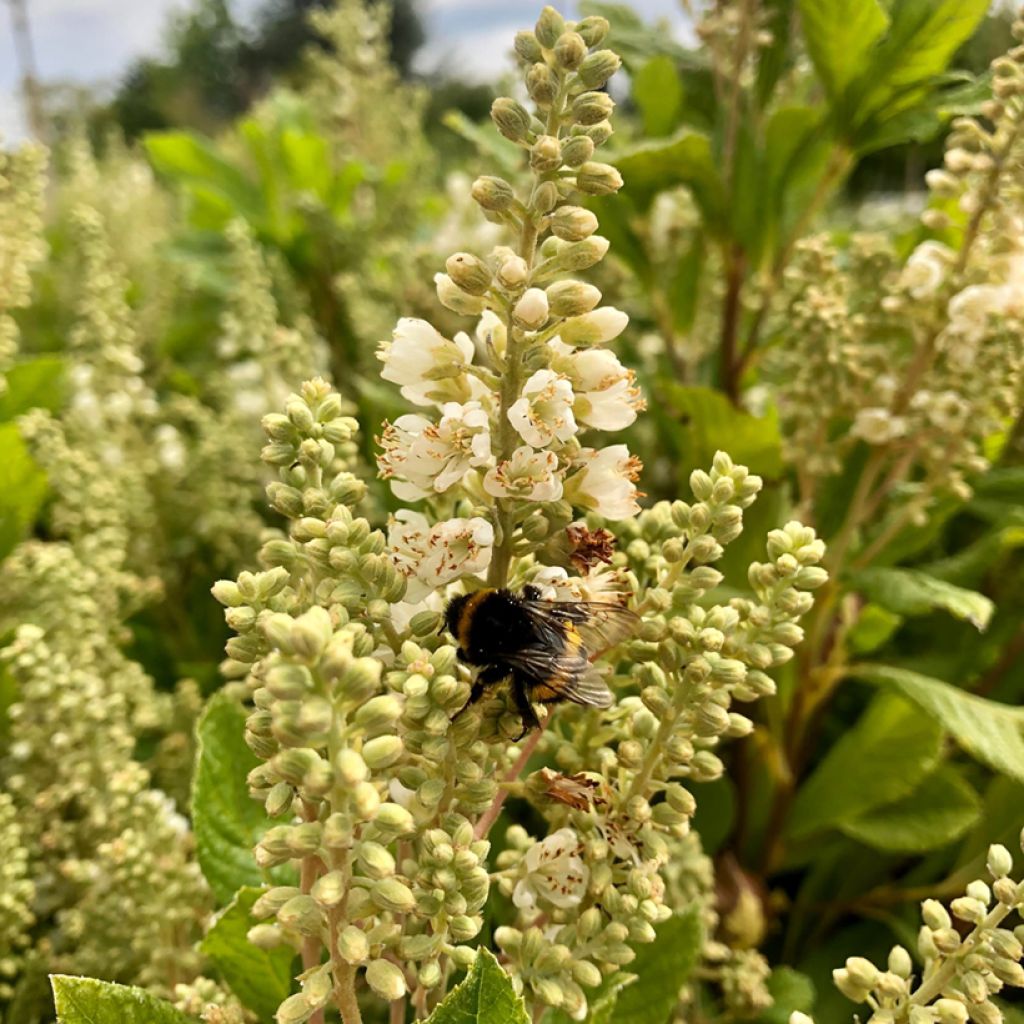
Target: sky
point(90, 41)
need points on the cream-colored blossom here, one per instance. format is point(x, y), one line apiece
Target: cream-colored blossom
point(878, 426)
point(601, 583)
point(422, 361)
point(607, 397)
point(421, 457)
point(430, 557)
point(529, 475)
point(926, 269)
point(544, 413)
point(605, 481)
point(554, 871)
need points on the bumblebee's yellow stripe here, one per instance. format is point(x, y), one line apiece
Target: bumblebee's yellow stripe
point(573, 640)
point(466, 616)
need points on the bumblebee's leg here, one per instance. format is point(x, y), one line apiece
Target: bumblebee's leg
point(487, 677)
point(522, 698)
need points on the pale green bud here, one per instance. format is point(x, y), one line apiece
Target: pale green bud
point(862, 972)
point(546, 154)
point(598, 133)
point(935, 915)
point(593, 29)
point(301, 914)
point(598, 67)
point(366, 800)
point(382, 751)
point(264, 936)
point(469, 273)
point(386, 979)
point(577, 150)
point(391, 894)
point(379, 713)
point(513, 272)
point(571, 298)
point(425, 623)
point(394, 818)
point(1007, 891)
point(272, 900)
point(279, 799)
point(583, 254)
point(452, 297)
point(542, 84)
point(573, 224)
point(329, 890)
point(570, 49)
point(429, 974)
point(353, 946)
point(375, 860)
point(227, 593)
point(950, 1011)
point(1000, 862)
point(528, 48)
point(350, 766)
point(550, 25)
point(511, 119)
point(595, 328)
point(853, 991)
point(463, 928)
point(463, 956)
point(592, 107)
point(296, 1009)
point(338, 830)
point(494, 194)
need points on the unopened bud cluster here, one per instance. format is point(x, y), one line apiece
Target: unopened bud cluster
point(969, 954)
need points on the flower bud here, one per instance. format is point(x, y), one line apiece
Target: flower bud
point(542, 85)
point(395, 819)
point(593, 29)
point(452, 297)
point(546, 154)
point(513, 272)
point(511, 119)
point(598, 179)
point(1000, 862)
point(583, 254)
point(301, 914)
point(598, 67)
point(528, 48)
point(375, 860)
point(329, 890)
point(379, 713)
point(900, 962)
point(296, 1009)
point(950, 1011)
point(572, 298)
point(353, 945)
point(550, 26)
point(391, 894)
point(386, 979)
point(576, 150)
point(493, 194)
point(570, 49)
point(383, 751)
point(545, 197)
point(573, 223)
point(592, 107)
point(595, 328)
point(469, 273)
point(531, 311)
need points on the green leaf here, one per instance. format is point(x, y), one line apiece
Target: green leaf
point(37, 383)
point(791, 991)
point(712, 422)
point(990, 732)
point(939, 811)
point(22, 488)
point(682, 159)
point(485, 997)
point(873, 628)
point(890, 750)
point(912, 592)
point(261, 978)
point(658, 92)
point(631, 37)
point(839, 36)
point(662, 968)
point(227, 821)
point(918, 47)
point(88, 1001)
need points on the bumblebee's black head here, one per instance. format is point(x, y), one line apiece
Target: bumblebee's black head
point(453, 614)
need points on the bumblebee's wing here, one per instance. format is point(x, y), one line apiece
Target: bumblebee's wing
point(600, 624)
point(556, 671)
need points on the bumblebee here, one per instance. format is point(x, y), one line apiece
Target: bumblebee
point(545, 648)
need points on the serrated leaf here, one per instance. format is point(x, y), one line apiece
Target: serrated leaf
point(37, 383)
point(839, 36)
point(912, 592)
point(485, 997)
point(662, 967)
point(261, 978)
point(990, 732)
point(658, 92)
point(890, 750)
point(23, 487)
point(942, 809)
point(227, 822)
point(89, 1001)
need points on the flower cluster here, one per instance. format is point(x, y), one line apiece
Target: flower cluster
point(384, 782)
point(968, 957)
point(22, 179)
point(896, 372)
